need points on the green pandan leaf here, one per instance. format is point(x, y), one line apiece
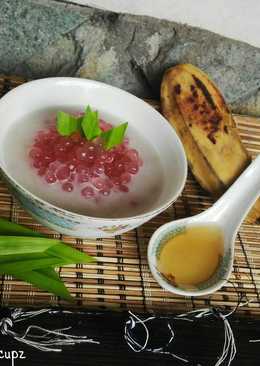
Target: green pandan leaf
point(67, 124)
point(68, 253)
point(49, 272)
point(33, 259)
point(27, 246)
point(114, 136)
point(44, 279)
point(90, 124)
point(23, 266)
point(30, 253)
point(10, 228)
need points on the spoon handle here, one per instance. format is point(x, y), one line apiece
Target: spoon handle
point(231, 209)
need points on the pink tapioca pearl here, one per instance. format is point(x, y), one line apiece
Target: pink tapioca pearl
point(119, 169)
point(62, 158)
point(39, 163)
point(91, 152)
point(48, 149)
point(119, 179)
point(93, 175)
point(68, 143)
point(123, 188)
point(132, 168)
point(83, 178)
point(98, 168)
point(103, 157)
point(120, 148)
point(60, 150)
point(67, 187)
point(125, 160)
point(133, 155)
point(99, 183)
point(52, 137)
point(116, 181)
point(45, 140)
point(91, 147)
point(91, 157)
point(88, 192)
point(110, 158)
point(109, 171)
point(50, 177)
point(54, 166)
point(48, 158)
point(82, 153)
point(35, 153)
point(105, 192)
point(72, 166)
point(72, 152)
point(82, 169)
point(125, 178)
point(42, 171)
point(39, 145)
point(63, 173)
point(81, 143)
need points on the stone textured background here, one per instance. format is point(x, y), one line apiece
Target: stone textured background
point(54, 38)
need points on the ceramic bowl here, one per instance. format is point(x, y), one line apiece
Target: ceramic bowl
point(52, 93)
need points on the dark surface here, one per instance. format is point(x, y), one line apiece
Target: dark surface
point(199, 341)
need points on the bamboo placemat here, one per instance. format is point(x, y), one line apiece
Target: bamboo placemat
point(121, 279)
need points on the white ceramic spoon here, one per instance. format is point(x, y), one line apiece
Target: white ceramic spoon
point(227, 214)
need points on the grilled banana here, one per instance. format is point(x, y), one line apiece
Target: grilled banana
point(195, 107)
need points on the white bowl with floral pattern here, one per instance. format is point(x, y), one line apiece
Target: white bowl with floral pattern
point(51, 92)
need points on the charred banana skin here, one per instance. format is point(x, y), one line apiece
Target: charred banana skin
point(196, 109)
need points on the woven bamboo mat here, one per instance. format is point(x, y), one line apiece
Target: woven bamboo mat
point(121, 279)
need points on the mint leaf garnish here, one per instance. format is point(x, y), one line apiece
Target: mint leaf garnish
point(114, 136)
point(90, 124)
point(67, 124)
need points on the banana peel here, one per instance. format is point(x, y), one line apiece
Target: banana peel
point(194, 106)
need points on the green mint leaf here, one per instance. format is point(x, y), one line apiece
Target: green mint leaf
point(114, 136)
point(67, 124)
point(90, 124)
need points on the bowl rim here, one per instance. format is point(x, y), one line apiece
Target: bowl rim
point(83, 217)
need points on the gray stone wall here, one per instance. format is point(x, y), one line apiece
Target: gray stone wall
point(53, 38)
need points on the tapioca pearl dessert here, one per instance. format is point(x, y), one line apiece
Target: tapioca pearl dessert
point(73, 160)
point(125, 195)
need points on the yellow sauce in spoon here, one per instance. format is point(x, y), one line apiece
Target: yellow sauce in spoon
point(192, 256)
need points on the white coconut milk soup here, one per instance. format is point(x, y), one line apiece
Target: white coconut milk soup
point(80, 176)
